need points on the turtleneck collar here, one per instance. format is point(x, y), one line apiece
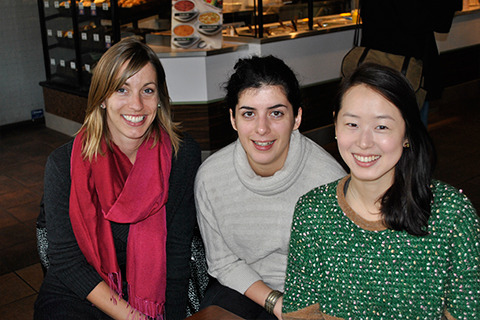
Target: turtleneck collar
point(296, 159)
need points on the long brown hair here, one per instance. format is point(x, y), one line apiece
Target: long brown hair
point(129, 56)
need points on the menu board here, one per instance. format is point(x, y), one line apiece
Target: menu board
point(196, 24)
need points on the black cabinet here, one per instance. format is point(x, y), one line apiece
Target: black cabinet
point(75, 34)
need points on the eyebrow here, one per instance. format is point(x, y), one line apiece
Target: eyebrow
point(269, 108)
point(351, 115)
point(146, 84)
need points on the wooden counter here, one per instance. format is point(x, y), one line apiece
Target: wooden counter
point(214, 313)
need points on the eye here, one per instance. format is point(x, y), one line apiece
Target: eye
point(382, 127)
point(277, 113)
point(149, 91)
point(248, 114)
point(122, 90)
point(351, 125)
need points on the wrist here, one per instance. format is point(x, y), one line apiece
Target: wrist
point(272, 300)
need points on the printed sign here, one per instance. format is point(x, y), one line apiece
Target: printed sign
point(197, 24)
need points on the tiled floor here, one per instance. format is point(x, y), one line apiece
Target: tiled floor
point(23, 152)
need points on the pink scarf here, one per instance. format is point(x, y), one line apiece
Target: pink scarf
point(110, 188)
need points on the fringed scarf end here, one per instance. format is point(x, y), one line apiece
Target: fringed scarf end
point(152, 309)
point(115, 284)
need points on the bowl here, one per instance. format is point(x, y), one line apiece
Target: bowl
point(184, 10)
point(184, 36)
point(209, 23)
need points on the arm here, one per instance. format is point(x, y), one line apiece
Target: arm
point(223, 263)
point(181, 220)
point(67, 261)
point(259, 292)
point(463, 286)
point(298, 278)
point(101, 297)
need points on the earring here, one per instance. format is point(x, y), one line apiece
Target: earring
point(102, 106)
point(406, 145)
point(335, 137)
point(159, 105)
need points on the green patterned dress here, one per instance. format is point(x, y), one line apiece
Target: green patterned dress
point(341, 266)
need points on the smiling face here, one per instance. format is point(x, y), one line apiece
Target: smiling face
point(370, 135)
point(131, 109)
point(264, 120)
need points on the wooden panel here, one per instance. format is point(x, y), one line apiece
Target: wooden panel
point(209, 124)
point(65, 105)
point(318, 105)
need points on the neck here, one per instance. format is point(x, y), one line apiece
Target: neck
point(363, 198)
point(129, 149)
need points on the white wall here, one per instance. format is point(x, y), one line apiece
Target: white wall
point(21, 61)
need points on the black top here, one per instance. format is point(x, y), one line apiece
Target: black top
point(406, 27)
point(68, 266)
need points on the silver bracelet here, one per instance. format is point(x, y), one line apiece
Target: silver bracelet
point(271, 300)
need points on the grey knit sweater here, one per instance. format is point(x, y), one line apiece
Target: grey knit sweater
point(245, 219)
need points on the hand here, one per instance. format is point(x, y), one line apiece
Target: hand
point(102, 297)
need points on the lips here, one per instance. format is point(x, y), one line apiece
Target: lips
point(134, 119)
point(365, 159)
point(263, 144)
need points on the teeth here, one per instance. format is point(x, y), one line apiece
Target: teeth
point(366, 159)
point(263, 144)
point(134, 119)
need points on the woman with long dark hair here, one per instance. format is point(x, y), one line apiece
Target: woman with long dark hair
point(386, 241)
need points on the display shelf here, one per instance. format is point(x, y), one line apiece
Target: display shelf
point(76, 33)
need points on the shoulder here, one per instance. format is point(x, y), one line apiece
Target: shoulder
point(316, 209)
point(325, 191)
point(62, 152)
point(60, 158)
point(189, 147)
point(324, 196)
point(218, 163)
point(447, 195)
point(451, 204)
point(188, 157)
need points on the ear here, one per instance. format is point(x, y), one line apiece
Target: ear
point(232, 120)
point(335, 125)
point(298, 119)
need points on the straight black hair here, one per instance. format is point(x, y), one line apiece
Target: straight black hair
point(406, 204)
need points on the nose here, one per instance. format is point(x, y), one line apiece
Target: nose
point(135, 102)
point(365, 139)
point(263, 126)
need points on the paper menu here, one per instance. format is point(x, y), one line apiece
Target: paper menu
point(196, 24)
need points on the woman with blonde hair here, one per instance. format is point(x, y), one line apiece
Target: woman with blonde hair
point(119, 204)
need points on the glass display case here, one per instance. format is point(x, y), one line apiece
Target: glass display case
point(283, 17)
point(75, 34)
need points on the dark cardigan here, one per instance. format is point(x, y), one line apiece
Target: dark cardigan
point(70, 272)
